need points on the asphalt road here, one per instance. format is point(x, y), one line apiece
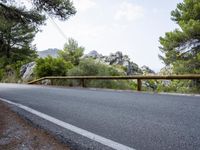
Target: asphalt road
point(138, 120)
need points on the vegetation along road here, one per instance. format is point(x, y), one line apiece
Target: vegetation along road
point(102, 119)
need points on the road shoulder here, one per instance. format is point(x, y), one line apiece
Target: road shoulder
point(17, 133)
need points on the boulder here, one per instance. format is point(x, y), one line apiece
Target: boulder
point(26, 71)
point(46, 82)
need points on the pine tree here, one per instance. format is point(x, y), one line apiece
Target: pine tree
point(181, 47)
point(18, 25)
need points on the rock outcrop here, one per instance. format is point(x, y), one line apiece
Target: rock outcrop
point(147, 70)
point(116, 59)
point(26, 71)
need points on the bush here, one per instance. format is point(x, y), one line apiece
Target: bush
point(1, 74)
point(89, 67)
point(50, 66)
point(179, 86)
point(9, 75)
point(150, 85)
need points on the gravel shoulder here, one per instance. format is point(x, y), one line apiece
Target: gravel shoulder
point(16, 133)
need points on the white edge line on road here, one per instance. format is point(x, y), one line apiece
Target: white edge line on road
point(72, 128)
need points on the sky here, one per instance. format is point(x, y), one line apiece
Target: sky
point(130, 26)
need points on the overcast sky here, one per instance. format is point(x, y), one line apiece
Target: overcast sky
point(130, 26)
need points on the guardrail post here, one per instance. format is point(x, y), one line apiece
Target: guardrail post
point(139, 84)
point(83, 82)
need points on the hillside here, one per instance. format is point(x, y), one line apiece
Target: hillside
point(51, 51)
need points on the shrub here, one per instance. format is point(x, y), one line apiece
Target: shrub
point(1, 74)
point(179, 86)
point(50, 66)
point(9, 75)
point(89, 67)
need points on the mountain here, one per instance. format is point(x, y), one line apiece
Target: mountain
point(51, 51)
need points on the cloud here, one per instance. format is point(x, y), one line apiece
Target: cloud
point(129, 11)
point(83, 5)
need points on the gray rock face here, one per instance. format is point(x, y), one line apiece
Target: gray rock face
point(116, 59)
point(167, 70)
point(26, 71)
point(46, 82)
point(133, 69)
point(147, 70)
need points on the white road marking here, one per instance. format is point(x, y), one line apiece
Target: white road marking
point(72, 128)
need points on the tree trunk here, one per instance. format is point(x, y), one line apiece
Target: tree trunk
point(7, 52)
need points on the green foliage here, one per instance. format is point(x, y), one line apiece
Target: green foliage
point(50, 66)
point(61, 9)
point(15, 40)
point(179, 86)
point(89, 67)
point(133, 85)
point(18, 26)
point(1, 74)
point(9, 74)
point(150, 85)
point(72, 52)
point(181, 47)
point(15, 43)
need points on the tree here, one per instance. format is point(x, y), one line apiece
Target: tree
point(18, 25)
point(15, 39)
point(72, 52)
point(181, 47)
point(61, 9)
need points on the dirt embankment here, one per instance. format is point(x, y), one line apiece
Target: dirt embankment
point(16, 134)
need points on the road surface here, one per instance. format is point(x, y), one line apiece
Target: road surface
point(137, 120)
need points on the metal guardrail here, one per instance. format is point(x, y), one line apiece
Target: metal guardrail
point(139, 78)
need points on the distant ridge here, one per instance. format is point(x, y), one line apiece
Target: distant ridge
point(51, 52)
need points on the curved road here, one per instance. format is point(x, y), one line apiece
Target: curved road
point(137, 120)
